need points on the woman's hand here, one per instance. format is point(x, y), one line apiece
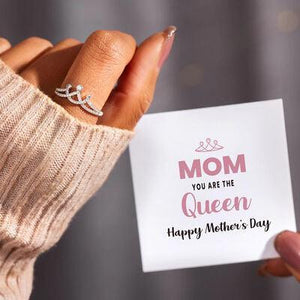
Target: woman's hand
point(51, 161)
point(287, 244)
point(106, 58)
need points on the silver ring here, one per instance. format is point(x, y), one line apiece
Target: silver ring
point(85, 103)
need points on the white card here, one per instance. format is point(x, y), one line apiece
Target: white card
point(211, 185)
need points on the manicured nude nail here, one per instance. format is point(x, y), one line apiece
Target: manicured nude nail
point(169, 33)
point(287, 245)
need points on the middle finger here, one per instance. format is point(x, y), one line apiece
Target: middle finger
point(97, 68)
point(49, 70)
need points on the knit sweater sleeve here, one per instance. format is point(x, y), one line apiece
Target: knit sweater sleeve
point(50, 165)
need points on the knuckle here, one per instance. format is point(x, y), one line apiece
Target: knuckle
point(99, 35)
point(39, 41)
point(70, 41)
point(111, 46)
point(4, 42)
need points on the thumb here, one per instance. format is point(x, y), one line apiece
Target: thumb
point(287, 244)
point(134, 93)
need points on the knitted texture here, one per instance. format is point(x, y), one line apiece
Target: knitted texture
point(50, 165)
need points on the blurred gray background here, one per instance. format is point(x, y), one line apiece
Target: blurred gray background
point(226, 51)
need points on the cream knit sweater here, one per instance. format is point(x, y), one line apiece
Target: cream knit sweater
point(50, 165)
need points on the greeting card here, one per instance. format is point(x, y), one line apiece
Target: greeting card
point(211, 185)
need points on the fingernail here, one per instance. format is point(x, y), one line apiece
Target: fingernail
point(287, 245)
point(263, 270)
point(169, 33)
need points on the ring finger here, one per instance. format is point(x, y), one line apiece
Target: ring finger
point(49, 70)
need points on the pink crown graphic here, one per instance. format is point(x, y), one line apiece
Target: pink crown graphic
point(210, 146)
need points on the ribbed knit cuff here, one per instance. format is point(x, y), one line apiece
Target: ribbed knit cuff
point(50, 165)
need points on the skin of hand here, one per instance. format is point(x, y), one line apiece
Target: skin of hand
point(119, 75)
point(287, 244)
point(121, 78)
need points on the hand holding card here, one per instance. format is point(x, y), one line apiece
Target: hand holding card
point(287, 244)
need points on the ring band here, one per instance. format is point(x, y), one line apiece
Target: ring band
point(85, 103)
